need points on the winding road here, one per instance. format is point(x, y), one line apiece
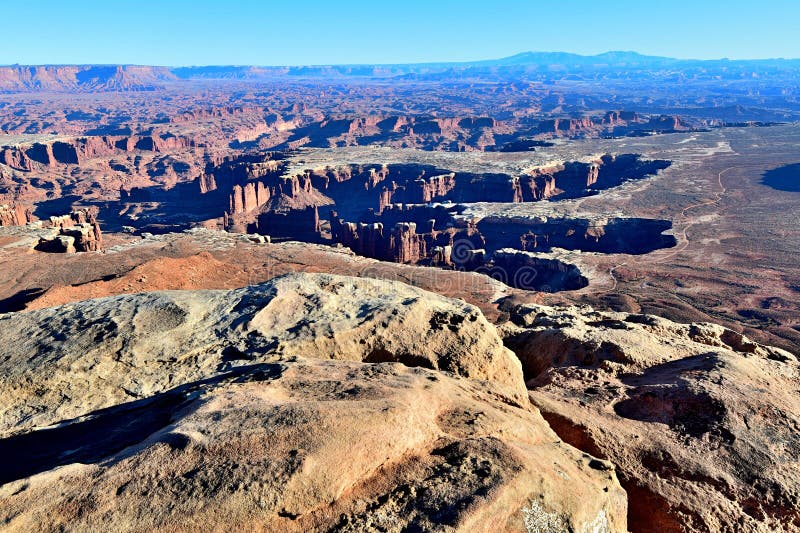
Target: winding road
point(718, 196)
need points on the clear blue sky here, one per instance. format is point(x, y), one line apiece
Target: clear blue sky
point(298, 32)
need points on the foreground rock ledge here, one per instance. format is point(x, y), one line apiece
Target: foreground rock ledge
point(702, 423)
point(62, 362)
point(192, 410)
point(317, 445)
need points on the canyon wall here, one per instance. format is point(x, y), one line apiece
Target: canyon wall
point(529, 271)
point(69, 78)
point(603, 235)
point(405, 234)
point(76, 151)
point(14, 215)
point(615, 123)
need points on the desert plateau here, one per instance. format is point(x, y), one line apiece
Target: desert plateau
point(551, 292)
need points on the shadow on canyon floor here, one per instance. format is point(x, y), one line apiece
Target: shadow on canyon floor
point(785, 178)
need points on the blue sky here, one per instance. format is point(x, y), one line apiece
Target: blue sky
point(299, 32)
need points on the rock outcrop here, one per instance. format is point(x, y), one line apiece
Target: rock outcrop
point(14, 215)
point(299, 404)
point(70, 78)
point(27, 157)
point(77, 232)
point(316, 446)
point(196, 333)
point(701, 422)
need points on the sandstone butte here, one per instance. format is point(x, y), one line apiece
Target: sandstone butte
point(316, 402)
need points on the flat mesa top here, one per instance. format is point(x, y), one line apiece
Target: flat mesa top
point(18, 139)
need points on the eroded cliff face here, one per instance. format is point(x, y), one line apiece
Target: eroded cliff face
point(406, 234)
point(225, 172)
point(83, 78)
point(15, 215)
point(391, 212)
point(599, 234)
point(77, 151)
point(529, 271)
point(254, 182)
point(388, 212)
point(281, 207)
point(614, 123)
point(436, 235)
point(416, 184)
point(78, 231)
point(259, 197)
point(424, 132)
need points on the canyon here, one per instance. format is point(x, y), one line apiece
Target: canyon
point(394, 212)
point(541, 293)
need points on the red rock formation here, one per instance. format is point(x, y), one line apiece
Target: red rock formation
point(539, 184)
point(244, 199)
point(393, 124)
point(292, 191)
point(533, 242)
point(407, 241)
point(87, 237)
point(406, 245)
point(14, 215)
point(547, 182)
point(592, 174)
point(561, 126)
point(276, 205)
point(364, 125)
point(435, 187)
point(196, 115)
point(15, 159)
point(83, 78)
point(619, 118)
point(79, 231)
point(79, 216)
point(76, 151)
point(207, 183)
point(385, 198)
point(666, 123)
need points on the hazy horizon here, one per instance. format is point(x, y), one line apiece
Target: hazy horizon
point(443, 62)
point(183, 33)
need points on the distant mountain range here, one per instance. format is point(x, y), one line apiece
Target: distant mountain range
point(526, 65)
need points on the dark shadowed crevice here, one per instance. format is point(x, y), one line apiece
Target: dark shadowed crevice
point(647, 511)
